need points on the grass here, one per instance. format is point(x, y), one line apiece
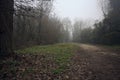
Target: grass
point(61, 54)
point(49, 60)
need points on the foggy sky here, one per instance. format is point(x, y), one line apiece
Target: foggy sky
point(80, 9)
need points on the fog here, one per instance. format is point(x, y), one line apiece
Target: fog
point(78, 9)
point(39, 22)
point(60, 39)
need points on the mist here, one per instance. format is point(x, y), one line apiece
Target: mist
point(59, 39)
point(78, 9)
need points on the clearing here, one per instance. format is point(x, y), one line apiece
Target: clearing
point(69, 61)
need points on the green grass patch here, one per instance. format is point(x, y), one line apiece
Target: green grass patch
point(61, 54)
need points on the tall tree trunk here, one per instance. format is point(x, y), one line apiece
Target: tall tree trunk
point(6, 27)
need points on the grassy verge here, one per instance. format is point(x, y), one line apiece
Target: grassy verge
point(44, 62)
point(60, 53)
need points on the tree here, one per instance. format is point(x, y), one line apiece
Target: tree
point(78, 27)
point(109, 29)
point(67, 36)
point(28, 18)
point(105, 8)
point(86, 35)
point(6, 27)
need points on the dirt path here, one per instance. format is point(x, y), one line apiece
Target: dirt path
point(89, 62)
point(94, 63)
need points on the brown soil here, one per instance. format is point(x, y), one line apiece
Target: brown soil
point(95, 63)
point(88, 63)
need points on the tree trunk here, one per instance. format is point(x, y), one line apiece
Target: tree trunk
point(6, 27)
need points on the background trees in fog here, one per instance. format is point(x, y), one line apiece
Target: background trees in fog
point(109, 29)
point(34, 24)
point(77, 28)
point(106, 31)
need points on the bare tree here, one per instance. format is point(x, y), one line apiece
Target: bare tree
point(105, 8)
point(67, 25)
point(28, 18)
point(6, 27)
point(77, 28)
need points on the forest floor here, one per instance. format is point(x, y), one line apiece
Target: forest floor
point(69, 61)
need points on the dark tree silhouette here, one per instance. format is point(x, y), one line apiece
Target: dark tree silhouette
point(6, 27)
